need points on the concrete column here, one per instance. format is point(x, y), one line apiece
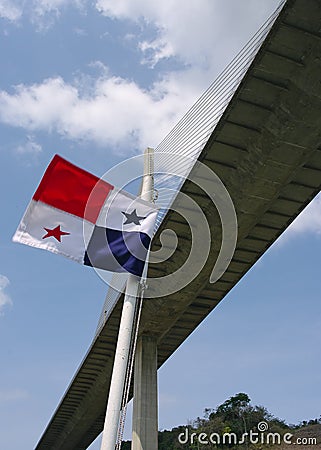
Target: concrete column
point(145, 411)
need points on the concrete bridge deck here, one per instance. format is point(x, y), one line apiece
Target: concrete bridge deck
point(266, 149)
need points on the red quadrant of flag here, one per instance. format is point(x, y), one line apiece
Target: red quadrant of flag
point(71, 189)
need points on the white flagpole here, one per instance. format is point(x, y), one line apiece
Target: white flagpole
point(125, 330)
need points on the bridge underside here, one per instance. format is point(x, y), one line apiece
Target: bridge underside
point(267, 151)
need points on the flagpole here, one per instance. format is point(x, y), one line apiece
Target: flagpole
point(117, 383)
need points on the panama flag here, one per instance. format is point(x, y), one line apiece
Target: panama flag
point(76, 214)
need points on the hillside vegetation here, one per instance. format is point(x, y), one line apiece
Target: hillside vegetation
point(237, 424)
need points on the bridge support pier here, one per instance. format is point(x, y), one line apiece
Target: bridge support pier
point(145, 411)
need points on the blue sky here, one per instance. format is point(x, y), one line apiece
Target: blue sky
point(98, 81)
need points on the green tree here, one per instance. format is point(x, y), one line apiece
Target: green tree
point(234, 413)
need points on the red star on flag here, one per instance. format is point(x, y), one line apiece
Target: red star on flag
point(55, 232)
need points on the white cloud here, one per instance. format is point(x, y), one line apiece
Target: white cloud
point(117, 111)
point(10, 10)
point(114, 111)
point(42, 7)
point(5, 300)
point(202, 35)
point(192, 30)
point(155, 50)
point(41, 12)
point(31, 147)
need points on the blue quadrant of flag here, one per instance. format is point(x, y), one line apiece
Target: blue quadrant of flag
point(127, 249)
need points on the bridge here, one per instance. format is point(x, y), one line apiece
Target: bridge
point(259, 129)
